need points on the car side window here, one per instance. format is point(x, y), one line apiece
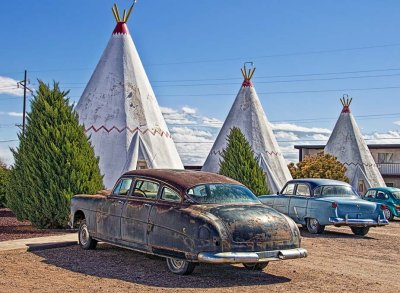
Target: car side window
point(170, 195)
point(318, 191)
point(381, 195)
point(145, 188)
point(303, 190)
point(370, 194)
point(289, 189)
point(123, 186)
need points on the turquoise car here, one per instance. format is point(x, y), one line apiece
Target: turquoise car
point(316, 203)
point(389, 196)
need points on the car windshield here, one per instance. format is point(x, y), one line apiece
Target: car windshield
point(221, 194)
point(338, 191)
point(396, 194)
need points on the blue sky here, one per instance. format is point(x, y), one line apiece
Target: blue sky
point(192, 52)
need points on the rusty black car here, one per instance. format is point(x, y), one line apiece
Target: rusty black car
point(187, 217)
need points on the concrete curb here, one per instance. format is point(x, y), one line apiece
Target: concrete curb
point(40, 243)
point(44, 246)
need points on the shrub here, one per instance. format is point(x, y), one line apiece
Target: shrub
point(54, 161)
point(319, 166)
point(238, 162)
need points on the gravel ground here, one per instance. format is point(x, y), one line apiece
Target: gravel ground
point(337, 262)
point(11, 228)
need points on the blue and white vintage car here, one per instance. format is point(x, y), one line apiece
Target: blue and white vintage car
point(316, 203)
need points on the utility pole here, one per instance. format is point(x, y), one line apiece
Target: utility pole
point(24, 107)
point(24, 84)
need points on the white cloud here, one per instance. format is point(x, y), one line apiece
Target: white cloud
point(397, 122)
point(188, 110)
point(5, 155)
point(296, 128)
point(212, 122)
point(193, 144)
point(281, 135)
point(9, 86)
point(12, 114)
point(166, 110)
point(390, 137)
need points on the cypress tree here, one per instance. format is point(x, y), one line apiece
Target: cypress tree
point(4, 172)
point(238, 162)
point(53, 162)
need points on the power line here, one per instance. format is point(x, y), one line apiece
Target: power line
point(297, 140)
point(264, 82)
point(315, 52)
point(278, 55)
point(283, 92)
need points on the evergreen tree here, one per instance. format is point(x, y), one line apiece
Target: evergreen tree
point(4, 172)
point(319, 166)
point(238, 162)
point(53, 162)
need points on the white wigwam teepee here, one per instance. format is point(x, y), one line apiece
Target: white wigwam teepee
point(348, 145)
point(120, 112)
point(248, 115)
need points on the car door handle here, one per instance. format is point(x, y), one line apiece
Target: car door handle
point(120, 202)
point(147, 205)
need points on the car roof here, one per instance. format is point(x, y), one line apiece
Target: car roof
point(182, 179)
point(390, 189)
point(315, 182)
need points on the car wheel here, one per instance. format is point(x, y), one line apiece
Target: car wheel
point(180, 267)
point(255, 266)
point(388, 214)
point(85, 240)
point(314, 227)
point(360, 231)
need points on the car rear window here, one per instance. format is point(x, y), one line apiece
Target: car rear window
point(221, 194)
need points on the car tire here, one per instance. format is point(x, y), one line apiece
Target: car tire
point(85, 240)
point(360, 231)
point(314, 227)
point(179, 266)
point(388, 214)
point(255, 266)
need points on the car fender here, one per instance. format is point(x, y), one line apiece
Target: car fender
point(320, 209)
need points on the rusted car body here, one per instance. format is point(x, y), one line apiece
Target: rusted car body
point(187, 217)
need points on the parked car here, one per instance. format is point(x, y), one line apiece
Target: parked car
point(316, 203)
point(188, 217)
point(388, 196)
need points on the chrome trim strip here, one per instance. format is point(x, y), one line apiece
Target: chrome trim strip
point(359, 222)
point(251, 257)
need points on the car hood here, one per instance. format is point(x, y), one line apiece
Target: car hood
point(252, 222)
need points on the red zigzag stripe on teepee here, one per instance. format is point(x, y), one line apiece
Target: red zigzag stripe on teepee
point(266, 152)
point(359, 164)
point(108, 130)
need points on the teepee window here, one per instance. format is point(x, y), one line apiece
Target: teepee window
point(141, 165)
point(361, 186)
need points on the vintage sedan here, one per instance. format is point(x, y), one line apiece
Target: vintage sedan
point(188, 217)
point(388, 196)
point(315, 203)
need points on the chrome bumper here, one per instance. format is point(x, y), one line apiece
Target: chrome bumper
point(358, 222)
point(251, 257)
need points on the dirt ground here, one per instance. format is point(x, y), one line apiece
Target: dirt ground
point(337, 262)
point(11, 228)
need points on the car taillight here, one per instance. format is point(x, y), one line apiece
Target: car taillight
point(383, 207)
point(334, 205)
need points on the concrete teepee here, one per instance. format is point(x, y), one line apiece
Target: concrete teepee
point(120, 112)
point(248, 115)
point(348, 145)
